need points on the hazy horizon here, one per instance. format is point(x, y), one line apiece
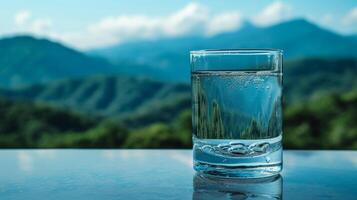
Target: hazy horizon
point(58, 40)
point(113, 22)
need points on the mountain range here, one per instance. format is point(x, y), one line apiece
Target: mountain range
point(169, 58)
point(140, 101)
point(25, 60)
point(121, 97)
point(314, 77)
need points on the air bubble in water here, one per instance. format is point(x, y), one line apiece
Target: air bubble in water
point(258, 80)
point(267, 158)
point(223, 147)
point(206, 148)
point(238, 150)
point(262, 147)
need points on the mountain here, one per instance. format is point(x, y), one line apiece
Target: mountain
point(170, 57)
point(142, 101)
point(353, 37)
point(130, 98)
point(313, 77)
point(25, 60)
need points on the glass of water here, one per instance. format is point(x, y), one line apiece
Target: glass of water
point(237, 112)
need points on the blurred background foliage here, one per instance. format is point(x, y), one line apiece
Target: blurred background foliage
point(323, 122)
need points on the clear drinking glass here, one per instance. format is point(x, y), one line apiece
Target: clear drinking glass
point(237, 112)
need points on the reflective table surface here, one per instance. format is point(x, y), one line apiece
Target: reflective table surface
point(167, 174)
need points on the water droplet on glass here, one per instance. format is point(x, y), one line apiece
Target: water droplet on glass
point(246, 84)
point(258, 80)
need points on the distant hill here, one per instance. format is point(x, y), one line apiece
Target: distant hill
point(141, 101)
point(115, 96)
point(305, 78)
point(353, 37)
point(170, 57)
point(26, 60)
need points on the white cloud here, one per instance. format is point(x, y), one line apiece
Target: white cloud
point(117, 29)
point(327, 19)
point(41, 25)
point(83, 39)
point(224, 22)
point(350, 18)
point(193, 19)
point(26, 23)
point(22, 17)
point(273, 13)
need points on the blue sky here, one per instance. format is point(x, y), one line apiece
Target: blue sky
point(92, 23)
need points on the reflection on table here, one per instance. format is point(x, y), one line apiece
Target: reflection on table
point(210, 187)
point(167, 174)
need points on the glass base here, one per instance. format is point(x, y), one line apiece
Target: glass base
point(238, 158)
point(238, 171)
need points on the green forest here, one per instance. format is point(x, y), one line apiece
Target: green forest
point(323, 122)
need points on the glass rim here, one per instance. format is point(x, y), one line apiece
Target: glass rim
point(239, 51)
